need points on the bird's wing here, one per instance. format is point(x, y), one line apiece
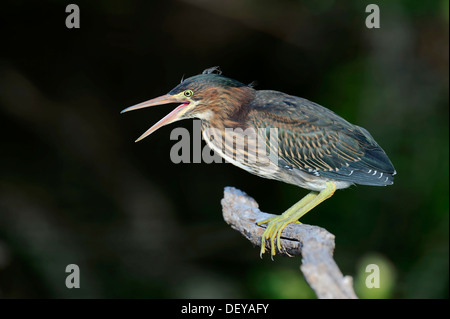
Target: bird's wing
point(318, 141)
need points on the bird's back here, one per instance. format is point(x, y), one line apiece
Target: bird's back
point(313, 141)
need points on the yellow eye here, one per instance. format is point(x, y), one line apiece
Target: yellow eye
point(188, 93)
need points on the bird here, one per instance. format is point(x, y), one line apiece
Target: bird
point(313, 147)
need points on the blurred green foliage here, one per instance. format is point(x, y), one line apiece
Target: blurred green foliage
point(74, 188)
point(284, 283)
point(375, 278)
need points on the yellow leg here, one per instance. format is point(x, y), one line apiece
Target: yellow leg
point(272, 221)
point(277, 224)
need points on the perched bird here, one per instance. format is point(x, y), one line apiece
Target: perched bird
point(315, 148)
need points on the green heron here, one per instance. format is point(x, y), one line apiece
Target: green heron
point(316, 149)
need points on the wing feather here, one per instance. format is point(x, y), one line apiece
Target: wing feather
point(315, 140)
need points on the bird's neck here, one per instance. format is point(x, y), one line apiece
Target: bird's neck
point(233, 112)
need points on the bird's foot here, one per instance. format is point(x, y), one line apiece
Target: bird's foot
point(275, 226)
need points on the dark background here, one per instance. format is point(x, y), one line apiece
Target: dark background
point(75, 188)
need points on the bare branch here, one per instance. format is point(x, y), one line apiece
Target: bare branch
point(315, 244)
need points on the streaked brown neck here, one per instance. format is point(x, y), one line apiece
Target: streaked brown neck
point(229, 108)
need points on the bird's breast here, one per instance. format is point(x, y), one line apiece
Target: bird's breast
point(245, 148)
point(248, 149)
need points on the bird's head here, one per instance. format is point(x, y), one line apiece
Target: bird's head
point(202, 96)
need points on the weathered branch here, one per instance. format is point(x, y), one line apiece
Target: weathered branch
point(315, 244)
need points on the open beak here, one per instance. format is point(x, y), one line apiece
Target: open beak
point(169, 118)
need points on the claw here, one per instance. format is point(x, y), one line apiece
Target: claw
point(263, 247)
point(273, 234)
point(264, 221)
point(273, 231)
point(276, 225)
